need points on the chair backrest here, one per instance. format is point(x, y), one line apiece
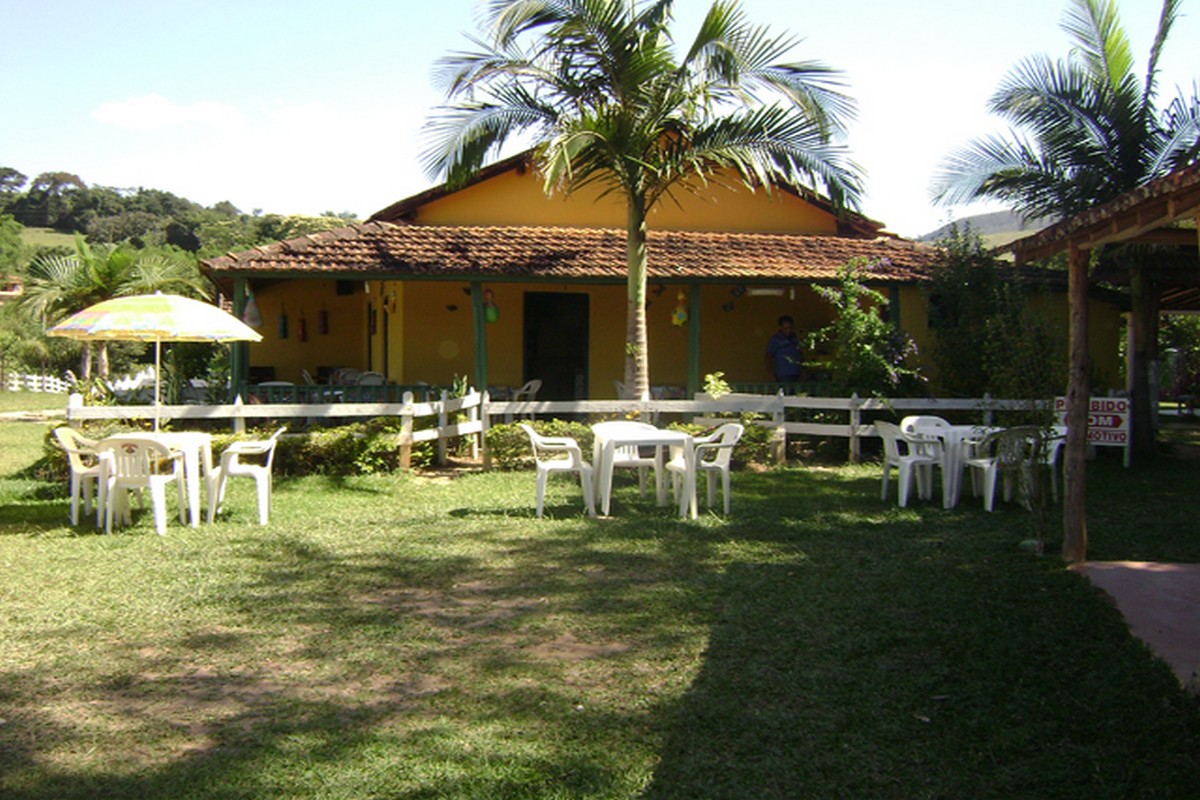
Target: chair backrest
point(544, 445)
point(891, 435)
point(136, 457)
point(307, 377)
point(718, 450)
point(257, 447)
point(922, 423)
point(528, 391)
point(77, 447)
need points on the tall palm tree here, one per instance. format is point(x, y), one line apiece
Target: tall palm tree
point(599, 86)
point(1084, 130)
point(57, 286)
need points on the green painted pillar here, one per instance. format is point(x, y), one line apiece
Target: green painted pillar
point(693, 356)
point(480, 322)
point(239, 352)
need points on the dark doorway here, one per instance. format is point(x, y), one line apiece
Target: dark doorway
point(556, 344)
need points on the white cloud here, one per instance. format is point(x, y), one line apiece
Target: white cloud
point(155, 112)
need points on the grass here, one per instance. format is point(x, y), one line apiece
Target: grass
point(47, 237)
point(408, 636)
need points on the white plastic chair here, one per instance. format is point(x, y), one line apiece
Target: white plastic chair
point(307, 377)
point(528, 391)
point(232, 466)
point(547, 452)
point(141, 463)
point(89, 473)
point(924, 431)
point(713, 456)
point(900, 451)
point(1008, 454)
point(371, 379)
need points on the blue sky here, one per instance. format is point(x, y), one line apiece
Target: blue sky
point(295, 106)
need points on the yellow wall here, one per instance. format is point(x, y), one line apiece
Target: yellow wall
point(512, 199)
point(343, 345)
point(432, 342)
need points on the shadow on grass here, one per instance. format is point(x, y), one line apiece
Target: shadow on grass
point(817, 643)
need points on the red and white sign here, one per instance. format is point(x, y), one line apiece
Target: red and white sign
point(1108, 419)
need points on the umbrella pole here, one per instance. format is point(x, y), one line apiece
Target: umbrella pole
point(157, 379)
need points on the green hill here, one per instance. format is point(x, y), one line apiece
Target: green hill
point(995, 228)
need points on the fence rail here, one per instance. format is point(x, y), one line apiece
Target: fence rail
point(474, 413)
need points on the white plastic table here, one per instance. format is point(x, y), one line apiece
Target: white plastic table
point(608, 436)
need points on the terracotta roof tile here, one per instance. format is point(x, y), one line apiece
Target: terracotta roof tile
point(375, 249)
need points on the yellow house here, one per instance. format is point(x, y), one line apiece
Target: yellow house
point(496, 281)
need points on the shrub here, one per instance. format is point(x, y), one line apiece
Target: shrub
point(509, 447)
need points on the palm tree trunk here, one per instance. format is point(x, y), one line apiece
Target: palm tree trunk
point(1074, 492)
point(102, 359)
point(637, 356)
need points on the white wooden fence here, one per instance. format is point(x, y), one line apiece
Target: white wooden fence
point(25, 382)
point(474, 413)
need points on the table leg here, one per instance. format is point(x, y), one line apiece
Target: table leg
point(605, 472)
point(191, 474)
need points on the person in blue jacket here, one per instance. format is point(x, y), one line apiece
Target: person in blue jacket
point(783, 353)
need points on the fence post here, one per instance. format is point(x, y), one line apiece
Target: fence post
point(855, 421)
point(988, 413)
point(406, 430)
point(442, 422)
point(485, 422)
point(473, 416)
point(779, 434)
point(239, 422)
point(74, 403)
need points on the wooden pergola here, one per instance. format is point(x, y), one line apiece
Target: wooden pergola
point(1149, 214)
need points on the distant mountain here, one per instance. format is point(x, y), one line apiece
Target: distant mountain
point(995, 228)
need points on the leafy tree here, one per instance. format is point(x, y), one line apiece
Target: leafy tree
point(58, 286)
point(11, 181)
point(611, 105)
point(1084, 130)
point(13, 251)
point(867, 354)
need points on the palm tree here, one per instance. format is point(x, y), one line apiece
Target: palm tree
point(1084, 130)
point(57, 286)
point(598, 85)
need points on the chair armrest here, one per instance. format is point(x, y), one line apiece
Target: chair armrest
point(249, 448)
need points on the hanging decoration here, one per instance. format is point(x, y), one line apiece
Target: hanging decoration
point(322, 322)
point(250, 314)
point(490, 312)
point(391, 304)
point(283, 322)
point(679, 316)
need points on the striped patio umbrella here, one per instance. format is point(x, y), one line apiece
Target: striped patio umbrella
point(155, 318)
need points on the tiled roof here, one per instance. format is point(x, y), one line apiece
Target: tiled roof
point(1154, 203)
point(381, 249)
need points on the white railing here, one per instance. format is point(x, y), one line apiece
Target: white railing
point(480, 411)
point(24, 382)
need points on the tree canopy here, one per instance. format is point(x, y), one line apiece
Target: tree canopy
point(611, 103)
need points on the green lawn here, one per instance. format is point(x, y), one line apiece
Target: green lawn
point(404, 636)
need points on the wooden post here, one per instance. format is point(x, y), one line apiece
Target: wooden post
point(1074, 548)
point(406, 431)
point(442, 422)
point(693, 330)
point(855, 422)
point(479, 318)
point(485, 419)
